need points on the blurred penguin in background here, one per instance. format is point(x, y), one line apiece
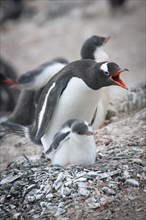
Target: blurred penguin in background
point(8, 96)
point(31, 84)
point(10, 9)
point(117, 5)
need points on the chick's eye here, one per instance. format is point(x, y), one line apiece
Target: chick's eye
point(79, 132)
point(106, 73)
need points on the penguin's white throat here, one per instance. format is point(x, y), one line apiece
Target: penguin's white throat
point(100, 55)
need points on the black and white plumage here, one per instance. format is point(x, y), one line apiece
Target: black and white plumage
point(34, 80)
point(24, 110)
point(93, 48)
point(74, 143)
point(38, 78)
point(31, 84)
point(72, 93)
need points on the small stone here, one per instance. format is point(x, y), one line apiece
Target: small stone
point(60, 177)
point(68, 183)
point(92, 203)
point(92, 173)
point(132, 182)
point(9, 179)
point(105, 200)
point(2, 199)
point(39, 196)
point(126, 174)
point(130, 197)
point(121, 155)
point(84, 192)
point(81, 174)
point(65, 191)
point(49, 196)
point(30, 198)
point(59, 212)
point(12, 206)
point(16, 215)
point(82, 179)
point(108, 191)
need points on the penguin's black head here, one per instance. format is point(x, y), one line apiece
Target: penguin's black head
point(97, 40)
point(91, 44)
point(81, 128)
point(107, 74)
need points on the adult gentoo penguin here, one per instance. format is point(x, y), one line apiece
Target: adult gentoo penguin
point(74, 143)
point(93, 48)
point(71, 93)
point(38, 78)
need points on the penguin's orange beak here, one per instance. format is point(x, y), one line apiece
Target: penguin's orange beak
point(116, 78)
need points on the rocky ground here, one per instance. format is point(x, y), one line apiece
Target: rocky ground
point(115, 186)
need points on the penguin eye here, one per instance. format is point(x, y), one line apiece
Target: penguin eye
point(106, 73)
point(79, 132)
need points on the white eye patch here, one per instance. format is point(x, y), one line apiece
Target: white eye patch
point(104, 67)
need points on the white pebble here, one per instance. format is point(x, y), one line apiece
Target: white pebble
point(132, 182)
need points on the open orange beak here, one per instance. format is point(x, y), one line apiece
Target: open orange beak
point(116, 78)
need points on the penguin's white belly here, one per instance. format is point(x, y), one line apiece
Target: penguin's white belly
point(77, 101)
point(70, 152)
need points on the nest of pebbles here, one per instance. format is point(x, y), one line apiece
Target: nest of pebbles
point(113, 188)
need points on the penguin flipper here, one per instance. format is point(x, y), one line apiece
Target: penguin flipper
point(47, 103)
point(59, 137)
point(15, 128)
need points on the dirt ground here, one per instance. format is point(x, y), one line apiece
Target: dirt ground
point(29, 42)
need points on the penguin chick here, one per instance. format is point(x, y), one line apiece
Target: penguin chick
point(74, 143)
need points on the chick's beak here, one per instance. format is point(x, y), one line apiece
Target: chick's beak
point(116, 78)
point(89, 133)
